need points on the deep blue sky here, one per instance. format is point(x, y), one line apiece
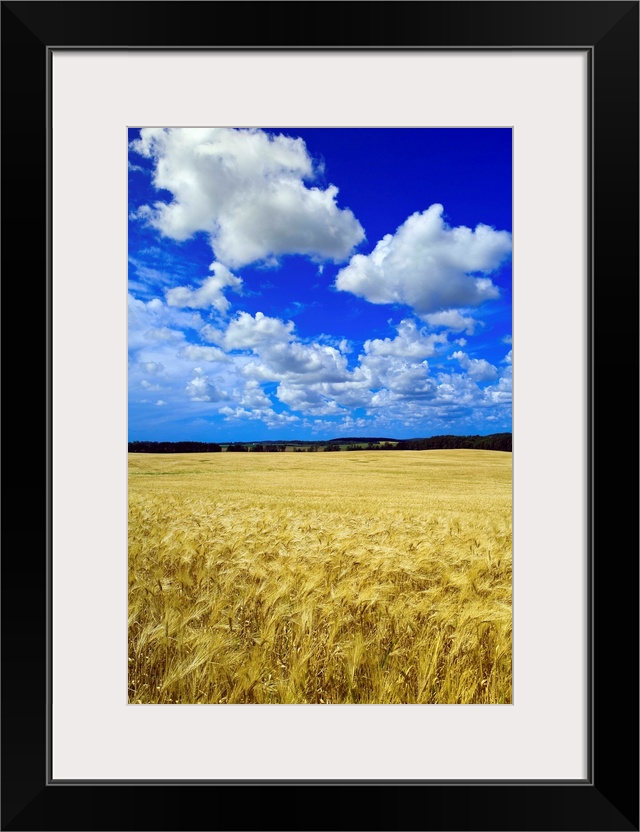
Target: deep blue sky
point(308, 284)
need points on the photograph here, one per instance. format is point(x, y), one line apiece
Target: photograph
point(320, 415)
point(297, 302)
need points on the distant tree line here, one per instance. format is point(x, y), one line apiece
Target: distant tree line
point(493, 442)
point(174, 447)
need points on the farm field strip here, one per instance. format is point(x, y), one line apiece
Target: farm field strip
point(359, 577)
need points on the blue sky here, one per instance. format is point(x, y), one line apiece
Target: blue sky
point(316, 283)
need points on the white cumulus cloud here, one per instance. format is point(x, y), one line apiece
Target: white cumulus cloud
point(200, 389)
point(247, 190)
point(209, 294)
point(309, 362)
point(196, 352)
point(268, 416)
point(409, 343)
point(453, 320)
point(477, 369)
point(499, 393)
point(248, 332)
point(429, 266)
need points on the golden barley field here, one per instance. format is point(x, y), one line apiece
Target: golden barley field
point(310, 578)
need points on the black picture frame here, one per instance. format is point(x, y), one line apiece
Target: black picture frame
point(608, 798)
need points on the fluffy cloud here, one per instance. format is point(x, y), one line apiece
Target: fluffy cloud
point(152, 367)
point(313, 377)
point(409, 343)
point(246, 332)
point(453, 320)
point(390, 381)
point(428, 266)
point(310, 399)
point(163, 333)
point(246, 189)
point(347, 425)
point(476, 368)
point(210, 293)
point(282, 356)
point(153, 321)
point(269, 417)
point(253, 396)
point(375, 383)
point(308, 362)
point(402, 378)
point(499, 393)
point(160, 359)
point(201, 389)
point(195, 352)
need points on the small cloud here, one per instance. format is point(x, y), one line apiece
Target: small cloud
point(195, 352)
point(210, 292)
point(200, 389)
point(476, 368)
point(163, 333)
point(248, 332)
point(151, 367)
point(453, 320)
point(409, 343)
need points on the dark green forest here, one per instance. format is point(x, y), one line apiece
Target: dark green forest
point(174, 447)
point(493, 442)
